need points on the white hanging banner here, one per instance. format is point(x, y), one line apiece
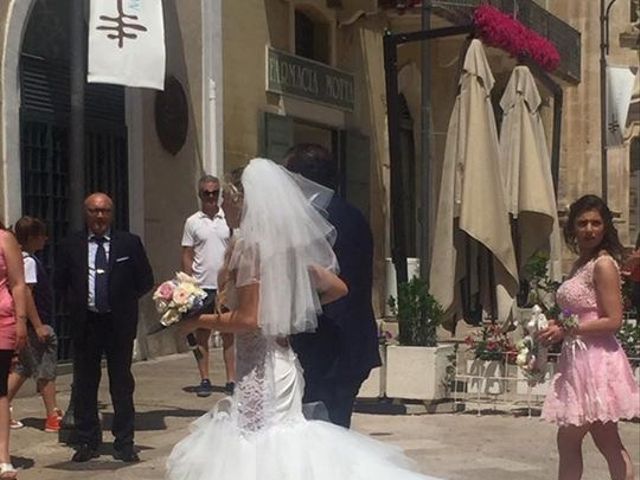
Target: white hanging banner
point(126, 43)
point(620, 82)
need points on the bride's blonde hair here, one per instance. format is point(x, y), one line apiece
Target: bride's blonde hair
point(232, 185)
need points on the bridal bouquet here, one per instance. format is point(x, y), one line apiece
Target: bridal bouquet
point(532, 355)
point(178, 298)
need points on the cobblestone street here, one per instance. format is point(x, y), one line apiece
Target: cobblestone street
point(453, 446)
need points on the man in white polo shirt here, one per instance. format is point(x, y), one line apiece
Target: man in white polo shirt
point(204, 241)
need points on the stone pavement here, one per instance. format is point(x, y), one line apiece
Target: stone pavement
point(453, 446)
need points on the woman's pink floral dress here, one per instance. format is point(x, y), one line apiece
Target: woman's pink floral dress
point(594, 382)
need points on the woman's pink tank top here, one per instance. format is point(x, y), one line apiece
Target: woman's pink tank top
point(7, 311)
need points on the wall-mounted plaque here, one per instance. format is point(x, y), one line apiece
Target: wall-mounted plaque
point(172, 115)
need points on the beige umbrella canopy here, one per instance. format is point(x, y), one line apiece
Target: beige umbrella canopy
point(473, 260)
point(526, 169)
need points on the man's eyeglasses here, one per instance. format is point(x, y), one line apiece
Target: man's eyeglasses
point(96, 211)
point(209, 193)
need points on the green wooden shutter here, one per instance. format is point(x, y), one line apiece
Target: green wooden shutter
point(277, 136)
point(357, 170)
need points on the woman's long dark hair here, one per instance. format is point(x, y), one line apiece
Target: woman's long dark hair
point(610, 241)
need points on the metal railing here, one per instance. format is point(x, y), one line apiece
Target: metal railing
point(566, 38)
point(500, 385)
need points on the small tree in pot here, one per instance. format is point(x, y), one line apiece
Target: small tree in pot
point(416, 369)
point(418, 314)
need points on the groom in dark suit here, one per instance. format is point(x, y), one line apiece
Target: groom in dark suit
point(338, 357)
point(102, 273)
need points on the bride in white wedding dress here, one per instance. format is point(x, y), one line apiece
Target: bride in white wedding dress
point(278, 273)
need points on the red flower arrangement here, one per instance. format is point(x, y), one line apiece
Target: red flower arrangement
point(491, 343)
point(500, 30)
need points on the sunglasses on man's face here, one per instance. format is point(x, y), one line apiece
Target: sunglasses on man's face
point(209, 193)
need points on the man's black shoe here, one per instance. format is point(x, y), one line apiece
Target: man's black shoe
point(126, 454)
point(84, 453)
point(204, 389)
point(229, 387)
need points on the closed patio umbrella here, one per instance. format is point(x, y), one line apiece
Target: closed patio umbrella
point(473, 260)
point(526, 168)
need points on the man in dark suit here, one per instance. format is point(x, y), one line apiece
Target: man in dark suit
point(338, 357)
point(102, 273)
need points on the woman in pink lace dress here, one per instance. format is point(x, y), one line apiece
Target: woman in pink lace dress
point(13, 332)
point(594, 387)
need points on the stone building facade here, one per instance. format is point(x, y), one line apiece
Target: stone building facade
point(154, 190)
point(581, 159)
point(257, 76)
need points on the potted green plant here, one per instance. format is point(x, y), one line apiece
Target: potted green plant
point(416, 368)
point(537, 287)
point(418, 314)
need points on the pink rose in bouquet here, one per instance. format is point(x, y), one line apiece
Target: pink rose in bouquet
point(178, 298)
point(165, 291)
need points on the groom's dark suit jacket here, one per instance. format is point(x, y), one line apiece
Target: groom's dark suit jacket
point(130, 277)
point(345, 346)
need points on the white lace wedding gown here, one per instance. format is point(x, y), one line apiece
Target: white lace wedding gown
point(261, 433)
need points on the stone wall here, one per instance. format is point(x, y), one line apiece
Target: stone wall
point(580, 164)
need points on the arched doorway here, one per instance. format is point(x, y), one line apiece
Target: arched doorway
point(44, 134)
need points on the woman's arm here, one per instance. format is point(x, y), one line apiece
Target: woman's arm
point(607, 285)
point(15, 275)
point(607, 282)
point(242, 319)
point(330, 287)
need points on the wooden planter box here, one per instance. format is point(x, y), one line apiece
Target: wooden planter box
point(417, 373)
point(485, 377)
